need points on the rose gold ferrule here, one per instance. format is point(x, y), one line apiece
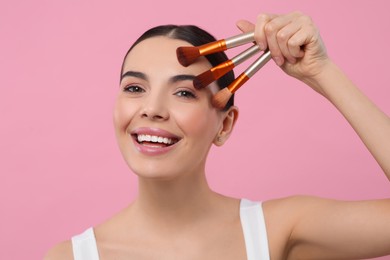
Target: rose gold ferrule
point(238, 82)
point(212, 47)
point(223, 68)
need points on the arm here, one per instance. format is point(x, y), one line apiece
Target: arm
point(318, 228)
point(370, 123)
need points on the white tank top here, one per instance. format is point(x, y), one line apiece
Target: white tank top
point(252, 221)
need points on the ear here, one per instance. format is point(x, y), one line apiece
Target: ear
point(229, 120)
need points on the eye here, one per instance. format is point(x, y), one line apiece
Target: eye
point(133, 89)
point(185, 94)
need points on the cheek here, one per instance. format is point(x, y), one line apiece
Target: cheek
point(124, 111)
point(198, 122)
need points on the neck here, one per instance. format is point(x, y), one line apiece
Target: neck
point(182, 199)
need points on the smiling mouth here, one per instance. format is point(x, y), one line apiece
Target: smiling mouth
point(154, 140)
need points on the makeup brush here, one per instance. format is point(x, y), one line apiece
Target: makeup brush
point(204, 79)
point(188, 54)
point(222, 97)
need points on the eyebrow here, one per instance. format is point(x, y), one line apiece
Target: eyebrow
point(135, 74)
point(174, 79)
point(181, 77)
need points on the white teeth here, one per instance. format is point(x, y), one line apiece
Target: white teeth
point(154, 139)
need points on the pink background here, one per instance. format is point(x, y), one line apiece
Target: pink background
point(61, 170)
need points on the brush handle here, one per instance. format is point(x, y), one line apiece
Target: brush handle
point(224, 44)
point(240, 39)
point(223, 68)
point(258, 64)
point(249, 72)
point(238, 82)
point(245, 55)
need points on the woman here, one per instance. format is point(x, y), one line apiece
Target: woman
point(165, 129)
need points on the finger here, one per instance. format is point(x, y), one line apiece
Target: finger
point(307, 37)
point(260, 35)
point(278, 31)
point(245, 26)
point(296, 43)
point(283, 37)
point(271, 30)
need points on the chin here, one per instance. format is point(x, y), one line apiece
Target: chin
point(154, 171)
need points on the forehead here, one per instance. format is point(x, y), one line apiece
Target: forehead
point(159, 53)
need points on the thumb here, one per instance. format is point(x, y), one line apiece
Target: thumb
point(245, 26)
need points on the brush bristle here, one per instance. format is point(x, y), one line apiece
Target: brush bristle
point(221, 98)
point(204, 79)
point(187, 55)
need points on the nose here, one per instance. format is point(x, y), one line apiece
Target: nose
point(155, 107)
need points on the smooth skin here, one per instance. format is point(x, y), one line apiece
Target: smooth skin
point(177, 216)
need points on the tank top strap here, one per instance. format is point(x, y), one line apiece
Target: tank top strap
point(252, 221)
point(254, 229)
point(84, 246)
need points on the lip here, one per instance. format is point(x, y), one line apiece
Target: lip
point(154, 131)
point(153, 150)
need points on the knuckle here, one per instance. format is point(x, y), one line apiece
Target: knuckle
point(298, 13)
point(269, 28)
point(281, 36)
point(293, 42)
point(263, 17)
point(305, 19)
point(312, 31)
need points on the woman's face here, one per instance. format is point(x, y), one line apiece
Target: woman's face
point(164, 126)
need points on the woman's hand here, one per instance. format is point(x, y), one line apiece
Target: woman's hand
point(323, 228)
point(294, 42)
point(296, 46)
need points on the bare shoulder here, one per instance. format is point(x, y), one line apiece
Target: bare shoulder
point(292, 205)
point(277, 210)
point(308, 227)
point(282, 216)
point(61, 251)
point(298, 207)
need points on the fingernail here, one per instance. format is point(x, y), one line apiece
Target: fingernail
point(292, 60)
point(278, 61)
point(262, 46)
